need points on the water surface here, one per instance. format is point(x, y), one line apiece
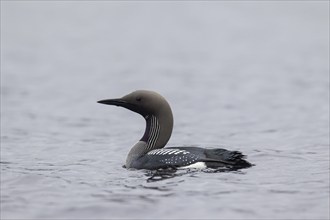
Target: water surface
point(246, 76)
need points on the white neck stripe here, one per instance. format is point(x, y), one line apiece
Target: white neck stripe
point(154, 133)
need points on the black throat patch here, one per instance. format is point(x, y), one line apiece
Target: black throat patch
point(147, 131)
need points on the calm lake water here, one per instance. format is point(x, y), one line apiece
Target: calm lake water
point(248, 76)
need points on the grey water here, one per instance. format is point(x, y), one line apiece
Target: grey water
point(244, 75)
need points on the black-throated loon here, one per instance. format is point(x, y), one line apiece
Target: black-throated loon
point(148, 152)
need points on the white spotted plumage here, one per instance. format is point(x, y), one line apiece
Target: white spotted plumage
point(167, 152)
point(176, 157)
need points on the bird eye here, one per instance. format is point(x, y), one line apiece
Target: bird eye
point(138, 99)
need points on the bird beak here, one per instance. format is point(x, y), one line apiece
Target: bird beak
point(121, 103)
point(117, 102)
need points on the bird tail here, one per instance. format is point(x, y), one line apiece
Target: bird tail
point(232, 159)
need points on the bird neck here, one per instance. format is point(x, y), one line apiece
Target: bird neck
point(158, 131)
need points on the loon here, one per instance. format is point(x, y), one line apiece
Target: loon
point(149, 152)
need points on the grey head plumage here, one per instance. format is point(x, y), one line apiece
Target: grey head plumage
point(158, 115)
